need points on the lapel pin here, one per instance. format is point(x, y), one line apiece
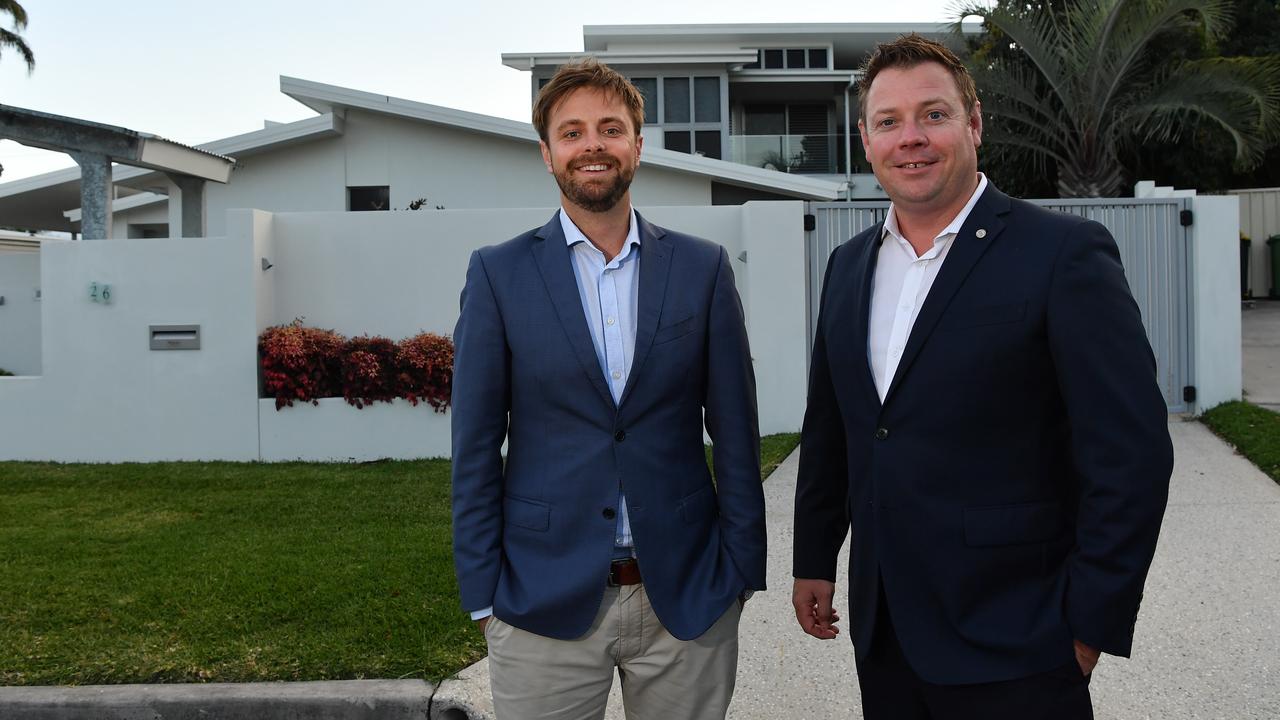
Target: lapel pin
point(981, 233)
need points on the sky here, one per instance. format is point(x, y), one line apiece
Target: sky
point(196, 72)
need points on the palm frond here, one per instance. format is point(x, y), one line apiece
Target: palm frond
point(15, 41)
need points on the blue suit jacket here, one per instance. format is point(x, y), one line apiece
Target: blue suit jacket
point(1008, 493)
point(533, 537)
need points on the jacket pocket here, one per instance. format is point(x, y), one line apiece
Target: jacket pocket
point(699, 505)
point(529, 514)
point(989, 315)
point(674, 331)
point(1020, 524)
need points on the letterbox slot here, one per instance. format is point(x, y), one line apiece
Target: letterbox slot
point(175, 337)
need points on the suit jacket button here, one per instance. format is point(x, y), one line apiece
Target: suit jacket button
point(620, 435)
point(609, 513)
point(882, 433)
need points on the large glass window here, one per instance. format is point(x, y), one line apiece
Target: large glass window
point(675, 96)
point(648, 88)
point(706, 99)
point(677, 140)
point(369, 197)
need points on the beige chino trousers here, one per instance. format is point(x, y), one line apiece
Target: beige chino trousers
point(539, 678)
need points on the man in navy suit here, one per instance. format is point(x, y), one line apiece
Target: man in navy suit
point(598, 347)
point(983, 411)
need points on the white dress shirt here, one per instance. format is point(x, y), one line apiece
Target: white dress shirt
point(899, 287)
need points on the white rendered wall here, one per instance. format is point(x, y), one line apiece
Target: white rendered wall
point(104, 396)
point(20, 313)
point(1218, 354)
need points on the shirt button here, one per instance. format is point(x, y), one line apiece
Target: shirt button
point(882, 433)
point(620, 435)
point(617, 375)
point(608, 321)
point(609, 513)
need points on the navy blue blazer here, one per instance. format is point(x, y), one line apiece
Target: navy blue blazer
point(533, 536)
point(1009, 491)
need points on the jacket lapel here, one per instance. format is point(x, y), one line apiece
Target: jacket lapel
point(554, 263)
point(655, 267)
point(969, 246)
point(865, 270)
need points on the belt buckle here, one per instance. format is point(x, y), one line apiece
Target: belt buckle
point(613, 580)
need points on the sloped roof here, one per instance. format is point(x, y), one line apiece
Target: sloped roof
point(333, 99)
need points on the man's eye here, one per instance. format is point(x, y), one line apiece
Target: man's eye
point(886, 123)
point(612, 131)
point(936, 115)
point(572, 134)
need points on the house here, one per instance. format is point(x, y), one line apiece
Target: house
point(778, 96)
point(364, 151)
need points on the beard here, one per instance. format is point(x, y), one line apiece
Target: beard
point(596, 196)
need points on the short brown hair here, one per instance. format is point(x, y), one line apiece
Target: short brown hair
point(907, 52)
point(590, 73)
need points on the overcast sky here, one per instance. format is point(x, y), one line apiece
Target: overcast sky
point(195, 72)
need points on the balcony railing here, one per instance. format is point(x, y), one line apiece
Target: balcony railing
point(804, 154)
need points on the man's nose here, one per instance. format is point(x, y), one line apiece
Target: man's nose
point(912, 134)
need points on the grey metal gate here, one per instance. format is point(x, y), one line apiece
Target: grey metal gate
point(1155, 248)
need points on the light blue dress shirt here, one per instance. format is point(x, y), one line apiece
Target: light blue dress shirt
point(609, 292)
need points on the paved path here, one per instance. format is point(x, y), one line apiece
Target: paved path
point(1260, 337)
point(1207, 643)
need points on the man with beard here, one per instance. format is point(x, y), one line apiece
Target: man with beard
point(598, 347)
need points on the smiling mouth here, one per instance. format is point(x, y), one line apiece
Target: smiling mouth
point(914, 165)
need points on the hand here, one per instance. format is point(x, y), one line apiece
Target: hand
point(812, 601)
point(1086, 656)
point(483, 622)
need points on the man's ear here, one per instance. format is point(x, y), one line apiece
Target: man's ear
point(546, 155)
point(866, 141)
point(975, 123)
point(639, 145)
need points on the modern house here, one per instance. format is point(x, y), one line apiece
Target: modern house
point(780, 96)
point(364, 151)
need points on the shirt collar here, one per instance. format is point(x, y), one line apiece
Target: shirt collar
point(952, 229)
point(573, 236)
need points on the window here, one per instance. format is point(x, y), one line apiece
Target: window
point(675, 96)
point(369, 197)
point(648, 88)
point(691, 115)
point(791, 59)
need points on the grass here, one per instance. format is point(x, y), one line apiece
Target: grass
point(232, 572)
point(1254, 431)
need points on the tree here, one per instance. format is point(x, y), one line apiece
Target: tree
point(11, 38)
point(1076, 85)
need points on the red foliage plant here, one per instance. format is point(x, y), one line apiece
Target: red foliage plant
point(304, 364)
point(426, 370)
point(300, 363)
point(369, 371)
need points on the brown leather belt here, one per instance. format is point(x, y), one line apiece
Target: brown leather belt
point(624, 572)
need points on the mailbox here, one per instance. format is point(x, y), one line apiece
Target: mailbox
point(175, 337)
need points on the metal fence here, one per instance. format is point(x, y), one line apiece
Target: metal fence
point(1155, 248)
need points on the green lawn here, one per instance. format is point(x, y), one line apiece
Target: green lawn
point(1254, 431)
point(230, 572)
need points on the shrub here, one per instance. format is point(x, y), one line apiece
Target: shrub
point(369, 370)
point(305, 364)
point(300, 363)
point(426, 370)
point(6, 373)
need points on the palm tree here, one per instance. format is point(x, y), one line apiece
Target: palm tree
point(11, 38)
point(1071, 82)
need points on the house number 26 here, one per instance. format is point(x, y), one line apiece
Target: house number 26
point(100, 293)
